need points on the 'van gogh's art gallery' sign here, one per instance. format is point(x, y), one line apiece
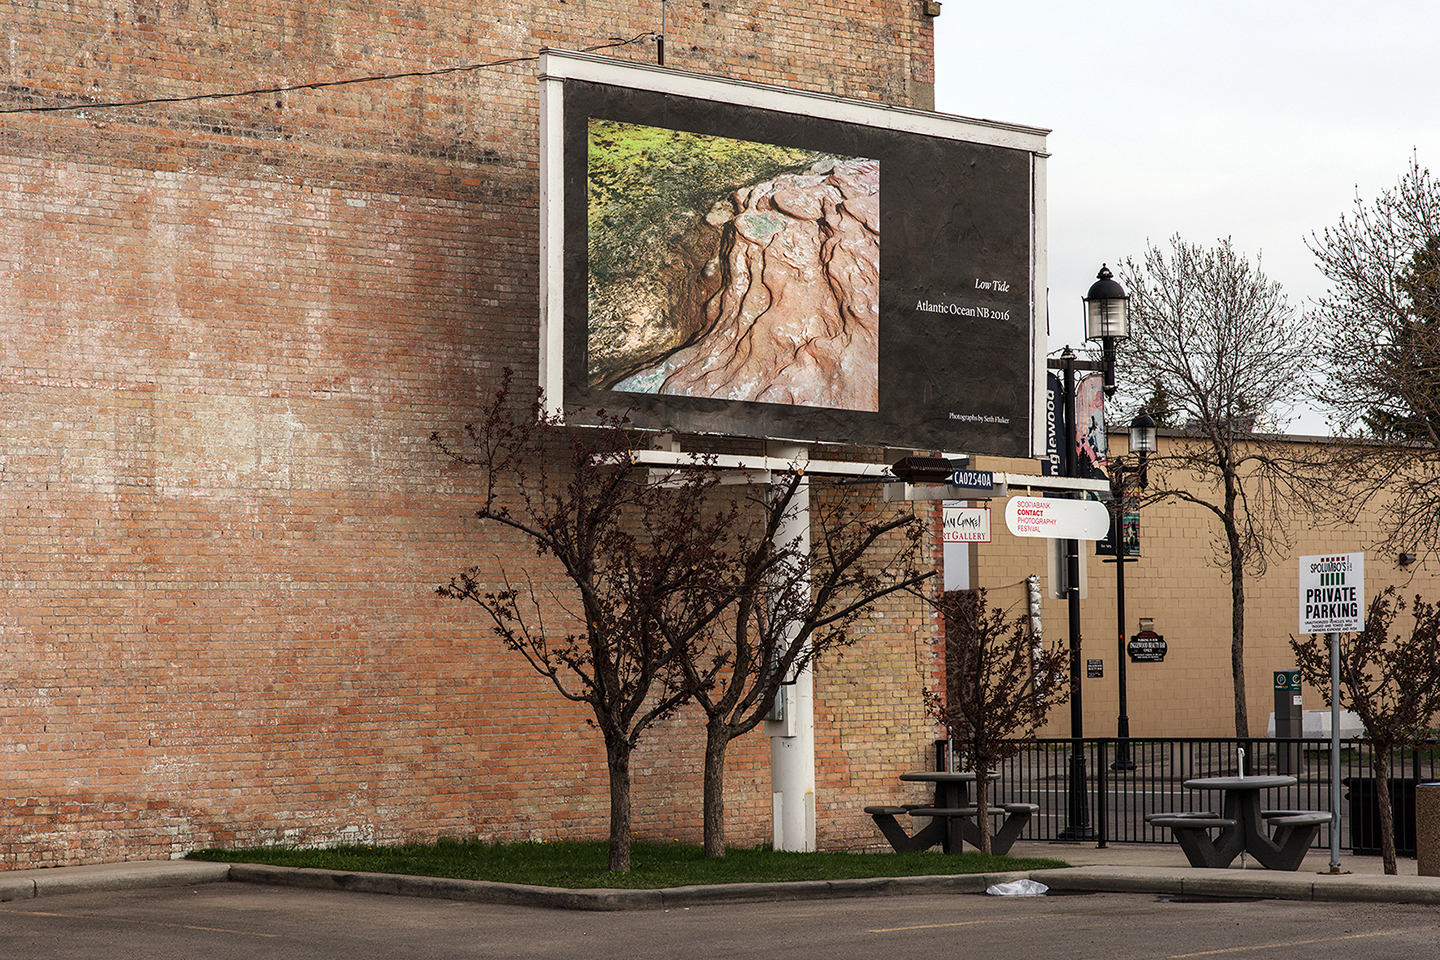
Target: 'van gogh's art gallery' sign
point(966, 524)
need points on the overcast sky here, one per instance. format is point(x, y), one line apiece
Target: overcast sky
point(1255, 120)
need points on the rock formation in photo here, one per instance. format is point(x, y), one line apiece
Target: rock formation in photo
point(787, 310)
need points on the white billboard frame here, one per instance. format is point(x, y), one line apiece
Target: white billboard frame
point(558, 66)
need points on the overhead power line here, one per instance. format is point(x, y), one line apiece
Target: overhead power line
point(315, 85)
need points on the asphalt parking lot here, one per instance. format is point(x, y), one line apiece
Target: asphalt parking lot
point(220, 921)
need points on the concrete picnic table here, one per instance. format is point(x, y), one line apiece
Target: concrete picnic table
point(953, 818)
point(1243, 824)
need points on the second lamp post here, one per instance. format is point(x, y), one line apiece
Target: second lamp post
point(1107, 319)
point(1142, 444)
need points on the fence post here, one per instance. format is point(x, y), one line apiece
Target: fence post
point(1103, 800)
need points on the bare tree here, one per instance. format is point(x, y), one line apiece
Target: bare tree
point(1392, 684)
point(784, 608)
point(1218, 340)
point(999, 685)
point(679, 587)
point(627, 548)
point(1380, 324)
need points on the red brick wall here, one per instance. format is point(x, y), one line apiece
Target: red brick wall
point(229, 325)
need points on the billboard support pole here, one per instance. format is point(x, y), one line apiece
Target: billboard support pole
point(792, 740)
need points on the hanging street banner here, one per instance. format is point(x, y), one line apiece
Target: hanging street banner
point(1058, 519)
point(1332, 593)
point(1129, 509)
point(1054, 464)
point(965, 524)
point(1092, 447)
point(1083, 446)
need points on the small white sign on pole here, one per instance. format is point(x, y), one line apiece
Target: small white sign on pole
point(1332, 601)
point(1332, 593)
point(966, 524)
point(1057, 519)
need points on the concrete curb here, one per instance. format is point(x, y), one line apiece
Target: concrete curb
point(1262, 884)
point(1259, 884)
point(482, 891)
point(140, 875)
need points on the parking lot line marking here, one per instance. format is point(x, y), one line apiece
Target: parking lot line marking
point(961, 923)
point(1297, 943)
point(149, 923)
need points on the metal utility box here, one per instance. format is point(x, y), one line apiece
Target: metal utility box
point(1289, 721)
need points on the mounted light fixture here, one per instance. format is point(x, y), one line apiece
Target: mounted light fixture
point(923, 469)
point(1142, 434)
point(1406, 559)
point(1142, 442)
point(1107, 319)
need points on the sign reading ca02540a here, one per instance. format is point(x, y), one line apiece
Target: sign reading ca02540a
point(1332, 593)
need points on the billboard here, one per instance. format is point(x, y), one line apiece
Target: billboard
point(737, 259)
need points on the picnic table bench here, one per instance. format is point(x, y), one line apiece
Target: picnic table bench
point(1192, 832)
point(952, 817)
point(1244, 826)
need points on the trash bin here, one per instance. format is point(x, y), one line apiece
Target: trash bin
point(1365, 815)
point(1427, 829)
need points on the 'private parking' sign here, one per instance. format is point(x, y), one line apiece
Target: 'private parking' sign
point(1332, 593)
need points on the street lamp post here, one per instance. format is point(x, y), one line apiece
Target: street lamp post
point(1107, 319)
point(1142, 443)
point(1122, 723)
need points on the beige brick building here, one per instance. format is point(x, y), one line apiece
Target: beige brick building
point(1182, 585)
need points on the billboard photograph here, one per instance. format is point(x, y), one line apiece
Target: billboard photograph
point(730, 269)
point(712, 263)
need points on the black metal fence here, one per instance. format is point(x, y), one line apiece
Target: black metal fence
point(1150, 776)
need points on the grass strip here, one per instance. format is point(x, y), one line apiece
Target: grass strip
point(583, 864)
